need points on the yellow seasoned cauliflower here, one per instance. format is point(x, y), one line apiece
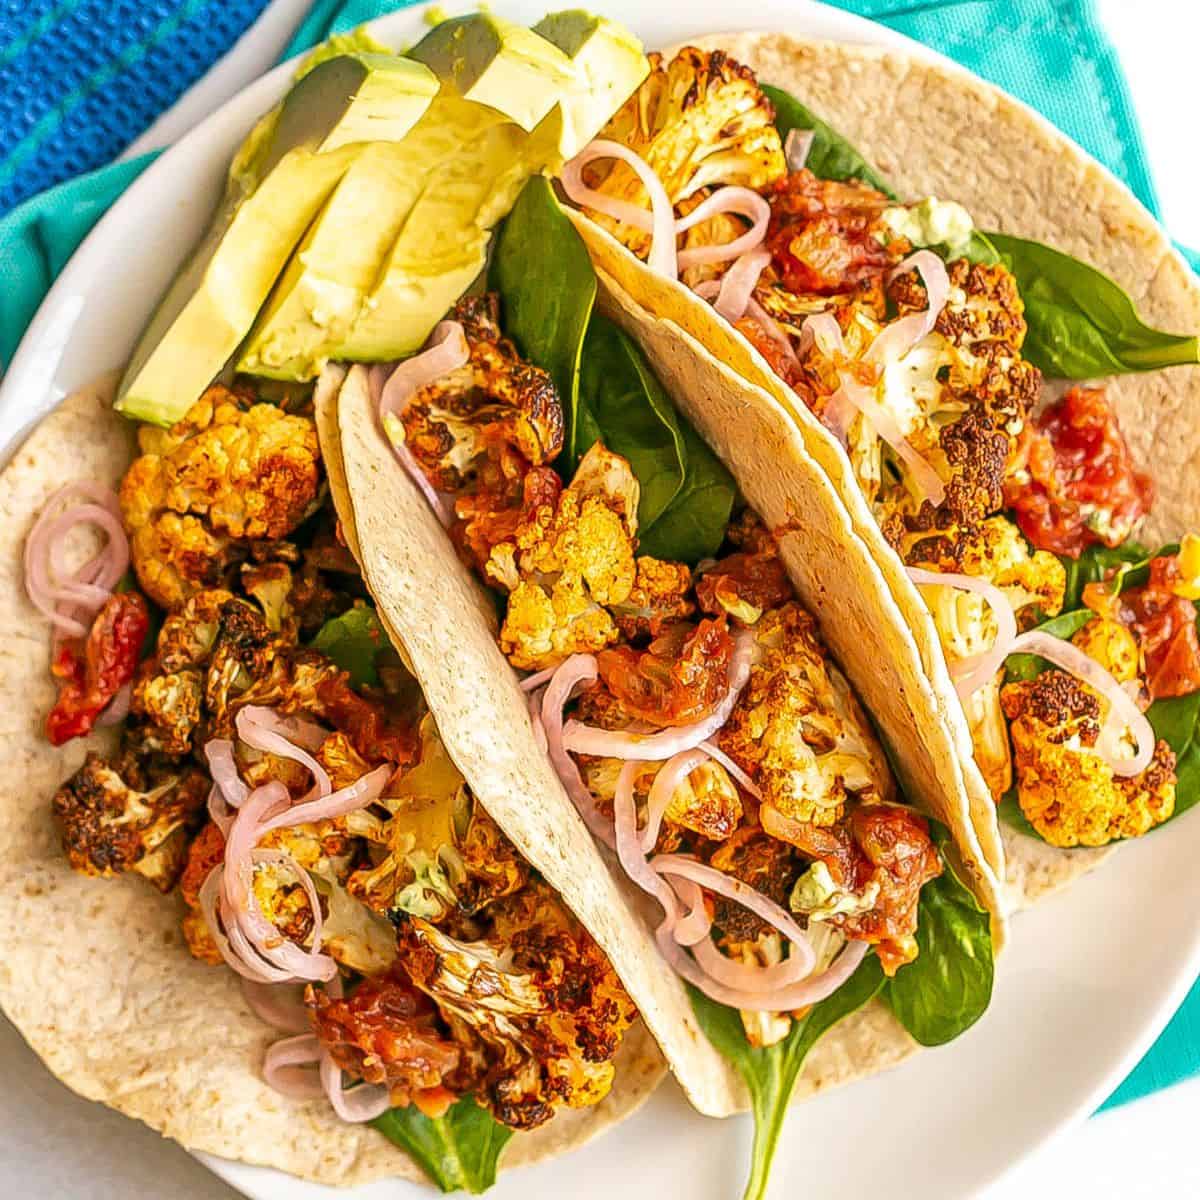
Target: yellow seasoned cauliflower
point(232, 472)
point(798, 729)
point(699, 121)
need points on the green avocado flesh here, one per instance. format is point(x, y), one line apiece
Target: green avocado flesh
point(283, 174)
point(362, 208)
point(480, 155)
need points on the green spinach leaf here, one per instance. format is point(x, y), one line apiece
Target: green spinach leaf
point(458, 1151)
point(547, 287)
point(1030, 666)
point(1177, 722)
point(830, 156)
point(771, 1072)
point(352, 641)
point(948, 986)
point(622, 404)
point(1081, 324)
point(1094, 564)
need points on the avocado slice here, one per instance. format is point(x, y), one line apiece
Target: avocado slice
point(279, 180)
point(492, 61)
point(476, 179)
point(609, 65)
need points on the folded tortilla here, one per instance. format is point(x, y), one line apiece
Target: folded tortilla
point(95, 973)
point(933, 129)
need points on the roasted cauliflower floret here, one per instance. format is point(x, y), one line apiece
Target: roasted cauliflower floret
point(706, 802)
point(535, 1006)
point(797, 728)
point(496, 398)
point(567, 562)
point(112, 818)
point(658, 598)
point(698, 121)
point(1067, 791)
point(230, 473)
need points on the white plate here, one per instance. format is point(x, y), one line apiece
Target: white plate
point(1092, 976)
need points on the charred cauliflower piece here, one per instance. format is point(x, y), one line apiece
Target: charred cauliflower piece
point(699, 121)
point(535, 1006)
point(496, 398)
point(966, 625)
point(797, 728)
point(1067, 791)
point(567, 562)
point(230, 473)
point(112, 819)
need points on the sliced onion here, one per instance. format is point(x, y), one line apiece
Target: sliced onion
point(291, 1067)
point(970, 674)
point(670, 775)
point(279, 1005)
point(894, 342)
point(263, 729)
point(243, 963)
point(693, 925)
point(824, 329)
point(223, 769)
point(654, 747)
point(359, 794)
point(629, 845)
point(659, 222)
point(749, 977)
point(731, 199)
point(535, 719)
point(532, 682)
point(1123, 713)
point(742, 777)
point(362, 1103)
point(755, 311)
point(738, 283)
point(392, 391)
point(70, 601)
point(576, 670)
point(796, 146)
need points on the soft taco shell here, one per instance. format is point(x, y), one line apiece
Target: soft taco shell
point(949, 134)
point(94, 972)
point(402, 546)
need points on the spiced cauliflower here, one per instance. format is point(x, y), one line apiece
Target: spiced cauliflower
point(231, 473)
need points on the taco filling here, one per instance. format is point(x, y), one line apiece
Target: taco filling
point(690, 709)
point(278, 768)
point(903, 330)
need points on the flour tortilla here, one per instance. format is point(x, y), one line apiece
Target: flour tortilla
point(95, 973)
point(402, 544)
point(933, 129)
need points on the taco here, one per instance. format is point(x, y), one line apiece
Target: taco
point(647, 563)
point(931, 355)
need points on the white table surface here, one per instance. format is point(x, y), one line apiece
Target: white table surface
point(55, 1145)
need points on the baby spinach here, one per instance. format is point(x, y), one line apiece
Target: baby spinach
point(352, 642)
point(547, 287)
point(458, 1151)
point(830, 156)
point(948, 986)
point(1094, 564)
point(771, 1072)
point(1081, 324)
point(609, 393)
point(1177, 722)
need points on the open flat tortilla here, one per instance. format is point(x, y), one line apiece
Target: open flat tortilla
point(95, 973)
point(934, 129)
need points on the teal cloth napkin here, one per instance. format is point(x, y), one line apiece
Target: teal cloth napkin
point(1051, 53)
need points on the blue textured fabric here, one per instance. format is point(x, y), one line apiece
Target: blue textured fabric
point(80, 79)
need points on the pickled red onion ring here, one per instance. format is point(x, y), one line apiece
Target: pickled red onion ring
point(392, 390)
point(824, 329)
point(659, 222)
point(670, 775)
point(279, 1005)
point(742, 778)
point(729, 199)
point(263, 729)
point(363, 791)
point(629, 844)
point(895, 341)
point(796, 147)
point(738, 284)
point(65, 600)
point(1123, 712)
point(576, 670)
point(748, 977)
point(362, 1103)
point(655, 747)
point(693, 925)
point(532, 682)
point(970, 674)
point(290, 1067)
point(755, 311)
point(221, 766)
